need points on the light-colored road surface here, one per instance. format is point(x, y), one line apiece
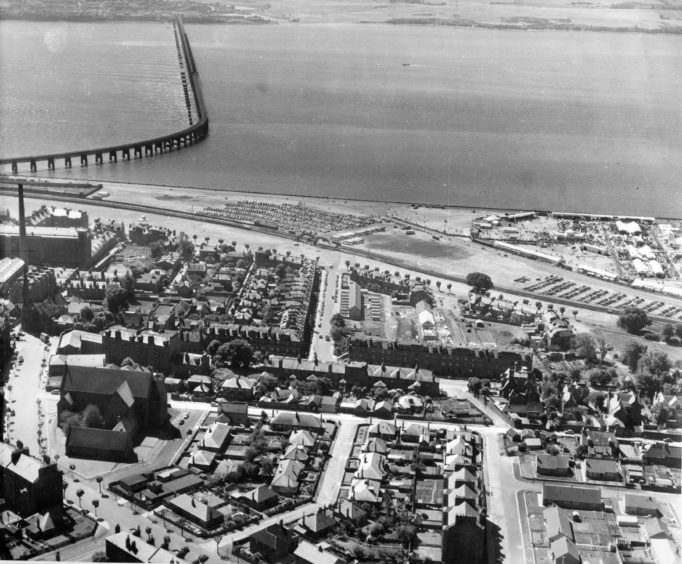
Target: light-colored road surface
point(25, 390)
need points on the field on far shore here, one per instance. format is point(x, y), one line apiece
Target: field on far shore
point(660, 15)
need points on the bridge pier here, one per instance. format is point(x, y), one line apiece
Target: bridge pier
point(84, 159)
point(15, 167)
point(98, 158)
point(125, 154)
point(113, 156)
point(67, 162)
point(148, 150)
point(137, 152)
point(50, 164)
point(33, 165)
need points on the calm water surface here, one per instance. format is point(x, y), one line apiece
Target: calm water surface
point(553, 120)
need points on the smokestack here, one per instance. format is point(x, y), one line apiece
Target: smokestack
point(22, 242)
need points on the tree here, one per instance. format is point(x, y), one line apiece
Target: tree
point(474, 385)
point(336, 333)
point(87, 314)
point(660, 413)
point(633, 320)
point(586, 346)
point(156, 249)
point(668, 331)
point(480, 282)
point(79, 494)
point(100, 556)
point(655, 362)
point(92, 417)
point(239, 352)
point(115, 297)
point(449, 287)
point(600, 377)
point(632, 353)
point(99, 483)
point(337, 320)
point(95, 504)
point(213, 347)
point(407, 534)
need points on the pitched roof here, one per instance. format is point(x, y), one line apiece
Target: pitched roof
point(296, 452)
point(582, 494)
point(463, 509)
point(554, 462)
point(260, 494)
point(371, 466)
point(216, 436)
point(302, 437)
point(557, 523)
point(26, 466)
point(564, 546)
point(375, 444)
point(351, 510)
point(308, 552)
point(100, 439)
point(106, 381)
point(602, 465)
point(318, 522)
point(202, 458)
point(202, 511)
point(275, 537)
point(295, 419)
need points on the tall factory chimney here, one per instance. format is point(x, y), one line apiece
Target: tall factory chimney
point(23, 255)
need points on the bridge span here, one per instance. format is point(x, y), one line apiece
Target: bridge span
point(196, 132)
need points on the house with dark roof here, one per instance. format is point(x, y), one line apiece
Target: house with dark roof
point(641, 505)
point(603, 469)
point(664, 454)
point(572, 497)
point(273, 543)
point(237, 388)
point(553, 465)
point(29, 485)
point(259, 498)
point(294, 421)
point(236, 413)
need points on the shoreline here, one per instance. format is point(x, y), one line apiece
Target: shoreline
point(258, 19)
point(303, 197)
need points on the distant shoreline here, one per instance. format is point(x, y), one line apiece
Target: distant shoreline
point(256, 19)
point(269, 195)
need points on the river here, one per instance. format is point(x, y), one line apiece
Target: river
point(472, 117)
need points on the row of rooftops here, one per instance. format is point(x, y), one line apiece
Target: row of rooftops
point(409, 345)
point(319, 368)
point(246, 331)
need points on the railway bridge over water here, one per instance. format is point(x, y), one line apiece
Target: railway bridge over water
point(196, 132)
